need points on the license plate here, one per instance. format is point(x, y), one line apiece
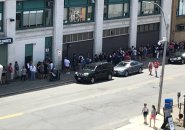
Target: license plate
point(172, 61)
point(79, 78)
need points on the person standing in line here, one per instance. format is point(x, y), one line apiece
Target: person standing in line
point(23, 73)
point(150, 67)
point(28, 75)
point(156, 66)
point(10, 71)
point(33, 71)
point(67, 65)
point(16, 69)
point(145, 112)
point(153, 115)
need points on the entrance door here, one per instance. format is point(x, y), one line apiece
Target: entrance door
point(3, 54)
point(48, 48)
point(28, 53)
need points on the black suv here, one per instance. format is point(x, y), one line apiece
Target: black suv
point(95, 71)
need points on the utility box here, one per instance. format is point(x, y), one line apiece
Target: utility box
point(168, 103)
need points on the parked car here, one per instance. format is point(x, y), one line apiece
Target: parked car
point(95, 71)
point(177, 57)
point(125, 68)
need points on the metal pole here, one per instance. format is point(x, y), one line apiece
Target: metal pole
point(162, 77)
point(164, 57)
point(184, 113)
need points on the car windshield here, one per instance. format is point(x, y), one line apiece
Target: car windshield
point(178, 53)
point(122, 64)
point(89, 67)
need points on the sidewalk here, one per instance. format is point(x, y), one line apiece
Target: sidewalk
point(137, 123)
point(18, 86)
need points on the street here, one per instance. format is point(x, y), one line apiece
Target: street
point(103, 105)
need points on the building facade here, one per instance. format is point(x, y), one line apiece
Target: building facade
point(178, 21)
point(39, 29)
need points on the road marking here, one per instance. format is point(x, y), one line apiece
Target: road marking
point(11, 116)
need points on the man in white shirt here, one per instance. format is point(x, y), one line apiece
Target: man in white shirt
point(33, 71)
point(66, 65)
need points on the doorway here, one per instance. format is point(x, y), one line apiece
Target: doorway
point(28, 53)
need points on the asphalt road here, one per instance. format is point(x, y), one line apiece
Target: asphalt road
point(103, 105)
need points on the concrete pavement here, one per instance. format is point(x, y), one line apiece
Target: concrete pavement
point(137, 122)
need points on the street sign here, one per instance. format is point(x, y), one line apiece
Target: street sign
point(170, 123)
point(6, 40)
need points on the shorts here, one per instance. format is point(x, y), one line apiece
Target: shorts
point(152, 116)
point(145, 114)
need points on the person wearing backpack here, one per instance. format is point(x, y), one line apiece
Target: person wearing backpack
point(145, 112)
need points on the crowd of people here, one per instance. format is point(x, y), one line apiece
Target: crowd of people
point(43, 69)
point(30, 71)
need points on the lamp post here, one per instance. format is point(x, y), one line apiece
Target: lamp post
point(164, 41)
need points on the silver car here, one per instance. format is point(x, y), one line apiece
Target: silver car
point(124, 68)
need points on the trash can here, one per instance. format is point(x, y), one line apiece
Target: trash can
point(168, 103)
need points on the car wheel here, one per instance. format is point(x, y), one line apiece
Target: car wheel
point(140, 70)
point(109, 77)
point(182, 62)
point(78, 81)
point(126, 73)
point(92, 80)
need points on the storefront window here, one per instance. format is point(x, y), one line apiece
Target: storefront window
point(116, 9)
point(181, 8)
point(148, 8)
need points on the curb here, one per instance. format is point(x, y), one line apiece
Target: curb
point(37, 88)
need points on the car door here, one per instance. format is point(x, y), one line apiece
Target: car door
point(136, 66)
point(131, 69)
point(99, 72)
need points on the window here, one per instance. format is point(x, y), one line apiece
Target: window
point(148, 8)
point(116, 9)
point(78, 11)
point(105, 14)
point(1, 16)
point(90, 13)
point(77, 37)
point(115, 32)
point(148, 27)
point(181, 8)
point(31, 14)
point(77, 14)
point(32, 18)
point(180, 27)
point(1, 21)
point(65, 15)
